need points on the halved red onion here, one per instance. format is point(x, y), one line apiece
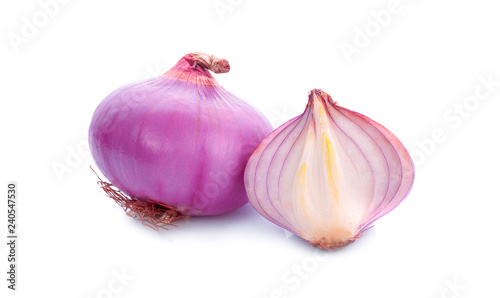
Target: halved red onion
point(328, 174)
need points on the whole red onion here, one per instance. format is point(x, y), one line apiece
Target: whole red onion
point(179, 139)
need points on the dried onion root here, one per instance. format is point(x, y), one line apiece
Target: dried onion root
point(152, 214)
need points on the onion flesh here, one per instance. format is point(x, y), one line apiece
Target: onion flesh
point(328, 174)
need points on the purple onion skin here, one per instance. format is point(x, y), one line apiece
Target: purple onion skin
point(179, 139)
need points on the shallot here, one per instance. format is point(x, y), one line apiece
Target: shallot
point(179, 141)
point(328, 174)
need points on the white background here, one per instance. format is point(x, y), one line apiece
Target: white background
point(412, 74)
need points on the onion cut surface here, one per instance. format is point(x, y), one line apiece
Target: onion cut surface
point(328, 174)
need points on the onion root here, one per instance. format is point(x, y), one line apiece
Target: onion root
point(152, 214)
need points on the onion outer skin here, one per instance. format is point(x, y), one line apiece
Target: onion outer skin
point(179, 139)
point(328, 174)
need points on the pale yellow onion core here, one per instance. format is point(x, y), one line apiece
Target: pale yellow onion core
point(326, 213)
